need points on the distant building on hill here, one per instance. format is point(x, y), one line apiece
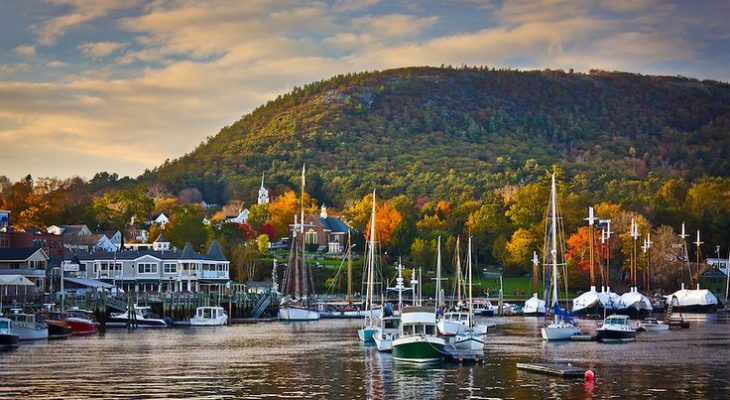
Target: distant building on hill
point(263, 193)
point(330, 233)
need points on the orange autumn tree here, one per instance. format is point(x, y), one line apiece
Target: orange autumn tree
point(387, 219)
point(283, 209)
point(578, 259)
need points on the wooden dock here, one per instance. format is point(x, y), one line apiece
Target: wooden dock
point(464, 356)
point(562, 370)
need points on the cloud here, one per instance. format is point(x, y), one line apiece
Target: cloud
point(57, 64)
point(101, 49)
point(25, 50)
point(81, 11)
point(183, 69)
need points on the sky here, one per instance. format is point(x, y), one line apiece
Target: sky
point(123, 85)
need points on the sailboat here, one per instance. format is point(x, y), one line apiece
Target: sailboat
point(369, 322)
point(471, 338)
point(341, 309)
point(562, 327)
point(693, 300)
point(299, 302)
point(457, 319)
point(387, 330)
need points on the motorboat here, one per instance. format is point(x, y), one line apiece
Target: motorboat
point(616, 328)
point(57, 328)
point(417, 339)
point(386, 332)
point(453, 323)
point(26, 326)
point(534, 306)
point(654, 325)
point(209, 316)
point(8, 338)
point(81, 322)
point(484, 308)
point(142, 318)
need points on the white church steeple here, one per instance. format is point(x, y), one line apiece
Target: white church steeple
point(263, 192)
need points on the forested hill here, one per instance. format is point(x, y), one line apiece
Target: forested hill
point(443, 132)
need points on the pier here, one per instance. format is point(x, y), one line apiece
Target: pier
point(562, 370)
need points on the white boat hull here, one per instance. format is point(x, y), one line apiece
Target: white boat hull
point(298, 314)
point(451, 328)
point(469, 341)
point(560, 331)
point(25, 333)
point(208, 321)
point(655, 327)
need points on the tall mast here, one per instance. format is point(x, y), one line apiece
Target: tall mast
point(634, 254)
point(535, 273)
point(399, 285)
point(685, 256)
point(349, 267)
point(438, 275)
point(591, 221)
point(608, 251)
point(458, 272)
point(371, 258)
point(554, 240)
point(697, 272)
point(303, 269)
point(470, 305)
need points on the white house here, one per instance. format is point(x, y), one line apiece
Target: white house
point(720, 263)
point(69, 230)
point(241, 218)
point(162, 220)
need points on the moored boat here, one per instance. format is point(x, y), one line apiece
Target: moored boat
point(81, 322)
point(142, 318)
point(57, 328)
point(27, 328)
point(209, 316)
point(534, 306)
point(417, 340)
point(700, 301)
point(634, 304)
point(8, 338)
point(654, 325)
point(616, 328)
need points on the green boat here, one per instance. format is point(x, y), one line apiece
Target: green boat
point(417, 340)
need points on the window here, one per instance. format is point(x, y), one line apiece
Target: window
point(169, 268)
point(310, 237)
point(147, 268)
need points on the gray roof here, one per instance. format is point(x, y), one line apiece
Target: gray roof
point(188, 253)
point(215, 252)
point(334, 224)
point(135, 254)
point(88, 282)
point(161, 239)
point(17, 253)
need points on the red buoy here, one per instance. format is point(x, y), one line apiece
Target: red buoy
point(589, 375)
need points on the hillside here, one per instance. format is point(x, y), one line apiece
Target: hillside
point(442, 132)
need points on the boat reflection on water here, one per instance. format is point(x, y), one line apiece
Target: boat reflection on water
point(417, 381)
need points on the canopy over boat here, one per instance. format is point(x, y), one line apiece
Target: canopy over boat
point(693, 297)
point(592, 298)
point(634, 299)
point(534, 305)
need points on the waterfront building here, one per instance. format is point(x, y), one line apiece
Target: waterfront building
point(161, 269)
point(30, 262)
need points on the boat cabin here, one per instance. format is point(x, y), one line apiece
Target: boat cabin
point(456, 316)
point(210, 312)
point(418, 321)
point(617, 320)
point(6, 325)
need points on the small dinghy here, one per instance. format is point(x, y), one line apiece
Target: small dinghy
point(653, 325)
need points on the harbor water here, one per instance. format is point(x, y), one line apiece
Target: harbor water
point(324, 359)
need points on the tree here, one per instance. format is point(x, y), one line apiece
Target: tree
point(119, 208)
point(283, 209)
point(519, 249)
point(527, 208)
point(262, 243)
point(423, 252)
point(258, 216)
point(387, 219)
point(187, 226)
